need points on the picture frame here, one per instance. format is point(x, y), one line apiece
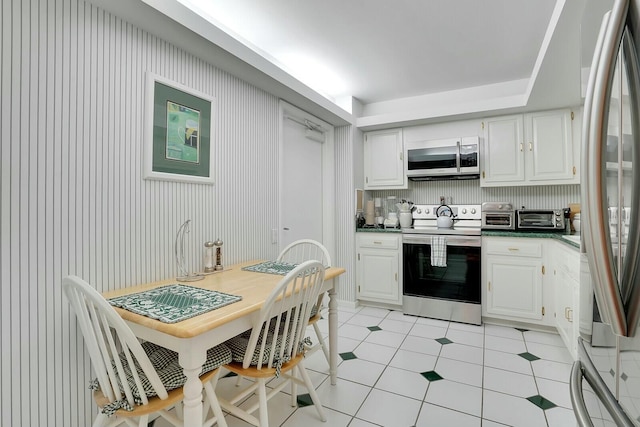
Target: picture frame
point(177, 132)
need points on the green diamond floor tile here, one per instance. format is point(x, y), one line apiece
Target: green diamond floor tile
point(541, 402)
point(530, 357)
point(304, 400)
point(521, 330)
point(431, 375)
point(348, 356)
point(374, 328)
point(444, 341)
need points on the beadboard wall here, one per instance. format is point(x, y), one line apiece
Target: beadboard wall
point(470, 192)
point(74, 200)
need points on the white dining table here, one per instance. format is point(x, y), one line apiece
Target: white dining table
point(191, 338)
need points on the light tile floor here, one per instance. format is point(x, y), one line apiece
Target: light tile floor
point(402, 371)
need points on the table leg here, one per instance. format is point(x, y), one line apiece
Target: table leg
point(333, 334)
point(191, 361)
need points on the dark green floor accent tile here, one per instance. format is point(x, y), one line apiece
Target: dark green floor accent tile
point(444, 341)
point(530, 357)
point(431, 375)
point(624, 376)
point(348, 356)
point(374, 328)
point(541, 402)
point(612, 373)
point(304, 400)
point(230, 374)
point(521, 330)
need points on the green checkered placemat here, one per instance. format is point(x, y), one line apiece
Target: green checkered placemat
point(174, 303)
point(271, 267)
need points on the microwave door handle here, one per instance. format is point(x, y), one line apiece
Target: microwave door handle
point(597, 241)
point(458, 155)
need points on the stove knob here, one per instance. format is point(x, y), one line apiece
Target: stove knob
point(426, 211)
point(473, 211)
point(419, 211)
point(464, 211)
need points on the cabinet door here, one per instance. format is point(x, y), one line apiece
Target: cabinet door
point(383, 160)
point(514, 287)
point(567, 288)
point(377, 275)
point(549, 146)
point(503, 151)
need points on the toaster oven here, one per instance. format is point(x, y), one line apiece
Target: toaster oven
point(498, 216)
point(540, 219)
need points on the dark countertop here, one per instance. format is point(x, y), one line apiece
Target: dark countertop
point(378, 230)
point(557, 235)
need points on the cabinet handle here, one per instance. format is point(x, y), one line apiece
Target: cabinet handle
point(401, 156)
point(574, 170)
point(543, 269)
point(489, 286)
point(521, 146)
point(377, 242)
point(568, 313)
point(543, 310)
point(396, 277)
point(513, 249)
point(531, 146)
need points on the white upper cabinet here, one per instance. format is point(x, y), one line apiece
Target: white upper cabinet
point(530, 149)
point(502, 160)
point(383, 160)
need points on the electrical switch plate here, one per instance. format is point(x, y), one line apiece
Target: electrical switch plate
point(274, 235)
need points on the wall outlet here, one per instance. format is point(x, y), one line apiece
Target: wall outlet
point(274, 235)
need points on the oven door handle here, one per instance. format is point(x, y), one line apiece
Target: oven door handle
point(452, 240)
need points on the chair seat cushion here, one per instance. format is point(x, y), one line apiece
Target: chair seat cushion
point(166, 363)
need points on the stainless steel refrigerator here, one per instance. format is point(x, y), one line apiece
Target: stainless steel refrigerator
point(605, 381)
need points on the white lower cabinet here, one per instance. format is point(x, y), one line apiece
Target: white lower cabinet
point(566, 277)
point(513, 279)
point(378, 267)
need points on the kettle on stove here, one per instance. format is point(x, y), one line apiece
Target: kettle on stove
point(444, 216)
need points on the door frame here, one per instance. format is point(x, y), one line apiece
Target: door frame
point(328, 174)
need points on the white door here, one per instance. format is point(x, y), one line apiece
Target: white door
point(306, 178)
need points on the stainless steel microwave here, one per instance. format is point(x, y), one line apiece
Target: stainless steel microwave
point(453, 158)
point(540, 219)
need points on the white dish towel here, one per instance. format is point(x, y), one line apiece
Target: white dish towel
point(439, 251)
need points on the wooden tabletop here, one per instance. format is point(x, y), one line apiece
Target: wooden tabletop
point(254, 288)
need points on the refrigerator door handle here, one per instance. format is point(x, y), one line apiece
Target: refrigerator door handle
point(584, 367)
point(631, 292)
point(597, 242)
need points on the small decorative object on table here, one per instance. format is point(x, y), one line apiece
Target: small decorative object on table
point(218, 245)
point(207, 259)
point(183, 273)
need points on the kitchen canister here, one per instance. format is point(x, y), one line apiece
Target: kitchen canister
point(406, 218)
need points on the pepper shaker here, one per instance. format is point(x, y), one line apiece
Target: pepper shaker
point(218, 245)
point(207, 259)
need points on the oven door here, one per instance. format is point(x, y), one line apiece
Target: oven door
point(458, 281)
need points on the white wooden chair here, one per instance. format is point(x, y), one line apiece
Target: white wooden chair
point(296, 253)
point(274, 346)
point(134, 396)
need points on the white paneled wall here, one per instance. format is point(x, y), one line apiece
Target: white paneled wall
point(73, 200)
point(345, 211)
point(469, 192)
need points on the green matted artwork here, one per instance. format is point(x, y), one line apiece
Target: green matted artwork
point(178, 123)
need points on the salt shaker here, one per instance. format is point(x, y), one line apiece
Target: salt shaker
point(207, 258)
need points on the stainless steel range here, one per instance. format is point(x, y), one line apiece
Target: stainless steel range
point(441, 266)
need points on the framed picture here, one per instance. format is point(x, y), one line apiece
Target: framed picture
point(177, 140)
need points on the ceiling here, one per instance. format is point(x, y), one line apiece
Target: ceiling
point(380, 50)
point(380, 63)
